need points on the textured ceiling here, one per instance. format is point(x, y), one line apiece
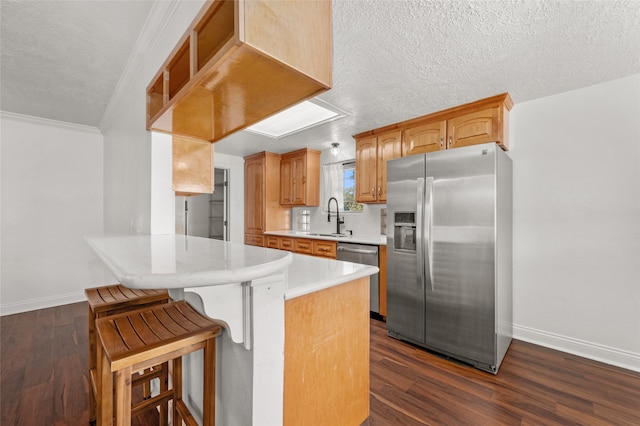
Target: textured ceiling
point(61, 60)
point(393, 60)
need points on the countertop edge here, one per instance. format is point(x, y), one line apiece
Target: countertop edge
point(330, 282)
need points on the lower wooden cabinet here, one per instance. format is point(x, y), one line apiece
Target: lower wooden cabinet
point(324, 248)
point(254, 240)
point(303, 245)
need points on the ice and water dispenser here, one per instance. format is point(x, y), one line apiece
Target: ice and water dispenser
point(404, 231)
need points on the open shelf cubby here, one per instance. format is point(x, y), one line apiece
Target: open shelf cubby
point(156, 96)
point(179, 69)
point(214, 31)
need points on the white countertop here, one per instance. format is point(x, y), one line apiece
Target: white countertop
point(308, 274)
point(178, 261)
point(378, 240)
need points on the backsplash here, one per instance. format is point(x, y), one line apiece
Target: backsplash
point(366, 222)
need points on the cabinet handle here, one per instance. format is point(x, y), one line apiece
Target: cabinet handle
point(379, 191)
point(441, 143)
point(450, 141)
point(373, 192)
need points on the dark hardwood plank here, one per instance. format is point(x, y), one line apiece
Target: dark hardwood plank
point(44, 369)
point(43, 381)
point(535, 386)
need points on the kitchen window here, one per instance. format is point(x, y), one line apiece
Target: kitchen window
point(339, 181)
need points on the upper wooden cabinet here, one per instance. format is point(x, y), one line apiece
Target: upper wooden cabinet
point(240, 62)
point(192, 166)
point(262, 210)
point(372, 154)
point(486, 120)
point(300, 178)
point(425, 138)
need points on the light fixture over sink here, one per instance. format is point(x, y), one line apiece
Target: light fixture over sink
point(334, 148)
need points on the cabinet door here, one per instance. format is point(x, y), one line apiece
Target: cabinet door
point(424, 138)
point(192, 166)
point(254, 181)
point(299, 181)
point(303, 246)
point(286, 244)
point(324, 248)
point(286, 181)
point(389, 147)
point(475, 128)
point(272, 241)
point(366, 169)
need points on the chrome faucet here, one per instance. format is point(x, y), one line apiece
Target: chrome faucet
point(338, 221)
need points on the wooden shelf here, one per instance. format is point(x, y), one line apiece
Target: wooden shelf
point(178, 70)
point(240, 62)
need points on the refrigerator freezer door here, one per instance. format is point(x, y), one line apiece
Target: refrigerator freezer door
point(460, 306)
point(405, 285)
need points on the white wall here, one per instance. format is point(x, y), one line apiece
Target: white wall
point(576, 232)
point(135, 168)
point(51, 198)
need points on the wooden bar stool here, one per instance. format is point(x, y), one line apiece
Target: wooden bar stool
point(144, 338)
point(110, 300)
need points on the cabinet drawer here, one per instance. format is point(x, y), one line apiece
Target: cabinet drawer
point(324, 248)
point(286, 244)
point(303, 246)
point(272, 242)
point(254, 240)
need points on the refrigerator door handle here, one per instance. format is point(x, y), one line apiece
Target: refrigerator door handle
point(429, 228)
point(420, 232)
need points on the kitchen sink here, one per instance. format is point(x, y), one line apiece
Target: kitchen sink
point(330, 235)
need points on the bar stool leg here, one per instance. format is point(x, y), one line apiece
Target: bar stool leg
point(92, 361)
point(104, 379)
point(176, 383)
point(164, 385)
point(123, 397)
point(209, 392)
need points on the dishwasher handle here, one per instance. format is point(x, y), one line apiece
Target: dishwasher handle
point(359, 251)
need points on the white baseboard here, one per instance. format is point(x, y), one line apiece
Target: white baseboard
point(42, 303)
point(594, 351)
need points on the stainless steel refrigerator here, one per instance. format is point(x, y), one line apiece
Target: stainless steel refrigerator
point(449, 274)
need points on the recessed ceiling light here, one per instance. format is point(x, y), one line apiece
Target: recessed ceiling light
point(299, 117)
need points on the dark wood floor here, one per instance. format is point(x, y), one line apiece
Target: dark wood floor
point(44, 381)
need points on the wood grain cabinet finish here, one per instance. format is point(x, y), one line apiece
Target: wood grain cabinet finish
point(207, 88)
point(271, 242)
point(192, 166)
point(326, 356)
point(303, 245)
point(372, 154)
point(285, 243)
point(476, 128)
point(300, 178)
point(324, 248)
point(425, 138)
point(485, 120)
point(262, 209)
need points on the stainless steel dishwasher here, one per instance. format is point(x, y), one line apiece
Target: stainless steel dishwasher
point(368, 255)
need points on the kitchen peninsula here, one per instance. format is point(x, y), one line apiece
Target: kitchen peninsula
point(296, 344)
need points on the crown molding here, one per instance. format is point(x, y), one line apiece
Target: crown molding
point(159, 16)
point(30, 119)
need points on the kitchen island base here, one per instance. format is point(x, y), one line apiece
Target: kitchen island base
point(326, 357)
